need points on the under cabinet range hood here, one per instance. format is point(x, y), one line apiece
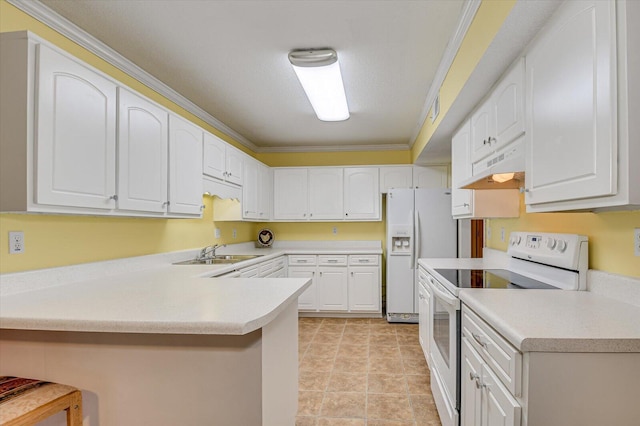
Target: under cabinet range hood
point(221, 190)
point(504, 169)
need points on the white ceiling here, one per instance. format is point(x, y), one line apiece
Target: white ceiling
point(230, 59)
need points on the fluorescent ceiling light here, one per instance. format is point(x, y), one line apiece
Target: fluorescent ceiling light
point(319, 73)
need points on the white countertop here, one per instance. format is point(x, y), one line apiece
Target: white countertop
point(558, 321)
point(148, 294)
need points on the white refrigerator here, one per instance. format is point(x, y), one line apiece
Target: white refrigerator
point(419, 225)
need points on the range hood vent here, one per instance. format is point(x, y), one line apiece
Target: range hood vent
point(212, 187)
point(507, 163)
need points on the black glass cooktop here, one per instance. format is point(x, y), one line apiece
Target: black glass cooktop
point(491, 278)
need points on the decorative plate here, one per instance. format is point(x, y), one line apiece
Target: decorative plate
point(265, 238)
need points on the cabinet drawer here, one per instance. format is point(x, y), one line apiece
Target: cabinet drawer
point(302, 259)
point(500, 355)
point(422, 276)
point(250, 272)
point(332, 259)
point(363, 259)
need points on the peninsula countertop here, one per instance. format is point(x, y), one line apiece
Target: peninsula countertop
point(149, 294)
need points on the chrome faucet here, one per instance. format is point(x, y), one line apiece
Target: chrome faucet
point(209, 252)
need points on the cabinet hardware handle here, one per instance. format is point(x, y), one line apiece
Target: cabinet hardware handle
point(478, 339)
point(492, 140)
point(473, 376)
point(310, 214)
point(363, 260)
point(304, 215)
point(479, 384)
point(465, 205)
point(346, 214)
point(332, 260)
point(114, 197)
point(165, 204)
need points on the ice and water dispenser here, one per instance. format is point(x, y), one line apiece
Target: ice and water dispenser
point(400, 240)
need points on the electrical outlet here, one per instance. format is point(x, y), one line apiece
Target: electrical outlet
point(636, 241)
point(234, 234)
point(488, 232)
point(502, 234)
point(335, 230)
point(16, 242)
point(217, 233)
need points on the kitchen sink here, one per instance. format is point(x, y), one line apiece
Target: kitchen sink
point(219, 260)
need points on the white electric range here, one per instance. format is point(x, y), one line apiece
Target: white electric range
point(536, 261)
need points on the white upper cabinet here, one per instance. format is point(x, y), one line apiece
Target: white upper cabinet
point(185, 166)
point(75, 141)
point(395, 177)
point(256, 190)
point(326, 193)
point(142, 154)
point(76, 131)
point(500, 119)
point(290, 194)
point(431, 176)
point(361, 193)
point(221, 160)
point(572, 105)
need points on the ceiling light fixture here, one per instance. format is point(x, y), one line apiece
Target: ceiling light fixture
point(319, 73)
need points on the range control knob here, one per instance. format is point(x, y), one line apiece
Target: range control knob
point(561, 246)
point(551, 243)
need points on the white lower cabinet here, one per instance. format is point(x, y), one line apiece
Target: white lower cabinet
point(332, 288)
point(487, 400)
point(341, 283)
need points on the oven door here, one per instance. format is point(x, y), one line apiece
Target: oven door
point(443, 348)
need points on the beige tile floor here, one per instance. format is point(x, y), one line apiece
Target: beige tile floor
point(362, 372)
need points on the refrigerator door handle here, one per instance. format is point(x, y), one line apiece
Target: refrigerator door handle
point(418, 241)
point(413, 236)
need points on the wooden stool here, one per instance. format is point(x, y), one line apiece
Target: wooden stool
point(28, 401)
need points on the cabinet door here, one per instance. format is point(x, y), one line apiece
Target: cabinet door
point(498, 407)
point(361, 193)
point(265, 192)
point(571, 105)
point(481, 131)
point(214, 156)
point(325, 193)
point(332, 288)
point(290, 194)
point(508, 107)
point(185, 166)
point(364, 288)
point(307, 301)
point(142, 154)
point(76, 134)
point(251, 190)
point(234, 165)
point(461, 199)
point(430, 177)
point(470, 394)
point(395, 177)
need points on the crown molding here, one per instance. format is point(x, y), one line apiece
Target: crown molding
point(334, 148)
point(467, 14)
point(76, 34)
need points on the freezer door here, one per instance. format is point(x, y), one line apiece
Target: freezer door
point(400, 285)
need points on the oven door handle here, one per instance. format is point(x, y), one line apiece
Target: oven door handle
point(441, 293)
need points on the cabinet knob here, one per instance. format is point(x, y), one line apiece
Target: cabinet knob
point(346, 214)
point(114, 197)
point(165, 204)
point(310, 214)
point(473, 376)
point(465, 205)
point(202, 207)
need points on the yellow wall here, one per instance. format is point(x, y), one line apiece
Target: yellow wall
point(345, 158)
point(610, 235)
point(488, 20)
